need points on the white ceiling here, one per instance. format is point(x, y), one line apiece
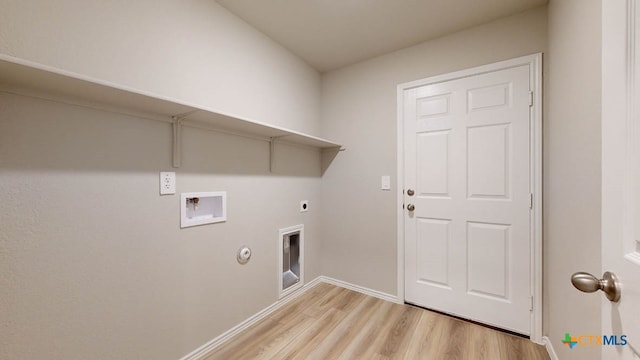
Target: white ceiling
point(329, 34)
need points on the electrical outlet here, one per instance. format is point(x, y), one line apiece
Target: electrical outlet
point(304, 205)
point(167, 183)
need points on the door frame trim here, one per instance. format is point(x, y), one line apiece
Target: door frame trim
point(534, 61)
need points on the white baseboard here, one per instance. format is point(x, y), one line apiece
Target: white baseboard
point(549, 346)
point(207, 348)
point(360, 289)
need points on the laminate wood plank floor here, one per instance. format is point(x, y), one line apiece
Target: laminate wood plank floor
point(330, 322)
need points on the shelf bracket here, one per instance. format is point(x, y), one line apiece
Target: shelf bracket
point(272, 151)
point(177, 140)
point(177, 136)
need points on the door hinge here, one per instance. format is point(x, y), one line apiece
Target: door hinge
point(530, 303)
point(530, 98)
point(530, 200)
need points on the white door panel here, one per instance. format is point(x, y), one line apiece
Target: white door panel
point(467, 243)
point(621, 174)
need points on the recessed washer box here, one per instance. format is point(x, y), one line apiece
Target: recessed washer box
point(199, 208)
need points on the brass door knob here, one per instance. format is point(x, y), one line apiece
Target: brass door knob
point(410, 192)
point(609, 284)
point(410, 207)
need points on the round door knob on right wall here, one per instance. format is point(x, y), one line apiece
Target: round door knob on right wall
point(411, 207)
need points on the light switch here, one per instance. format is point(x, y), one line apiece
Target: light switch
point(386, 182)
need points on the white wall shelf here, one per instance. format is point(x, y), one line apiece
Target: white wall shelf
point(23, 77)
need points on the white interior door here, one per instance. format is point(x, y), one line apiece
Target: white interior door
point(621, 174)
point(467, 172)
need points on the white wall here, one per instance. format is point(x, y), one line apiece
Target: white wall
point(193, 50)
point(92, 260)
point(359, 111)
point(572, 174)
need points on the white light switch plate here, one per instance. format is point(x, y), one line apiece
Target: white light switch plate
point(167, 183)
point(385, 183)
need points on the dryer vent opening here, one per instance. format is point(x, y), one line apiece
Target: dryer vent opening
point(290, 271)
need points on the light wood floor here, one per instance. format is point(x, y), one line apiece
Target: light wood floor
point(329, 322)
